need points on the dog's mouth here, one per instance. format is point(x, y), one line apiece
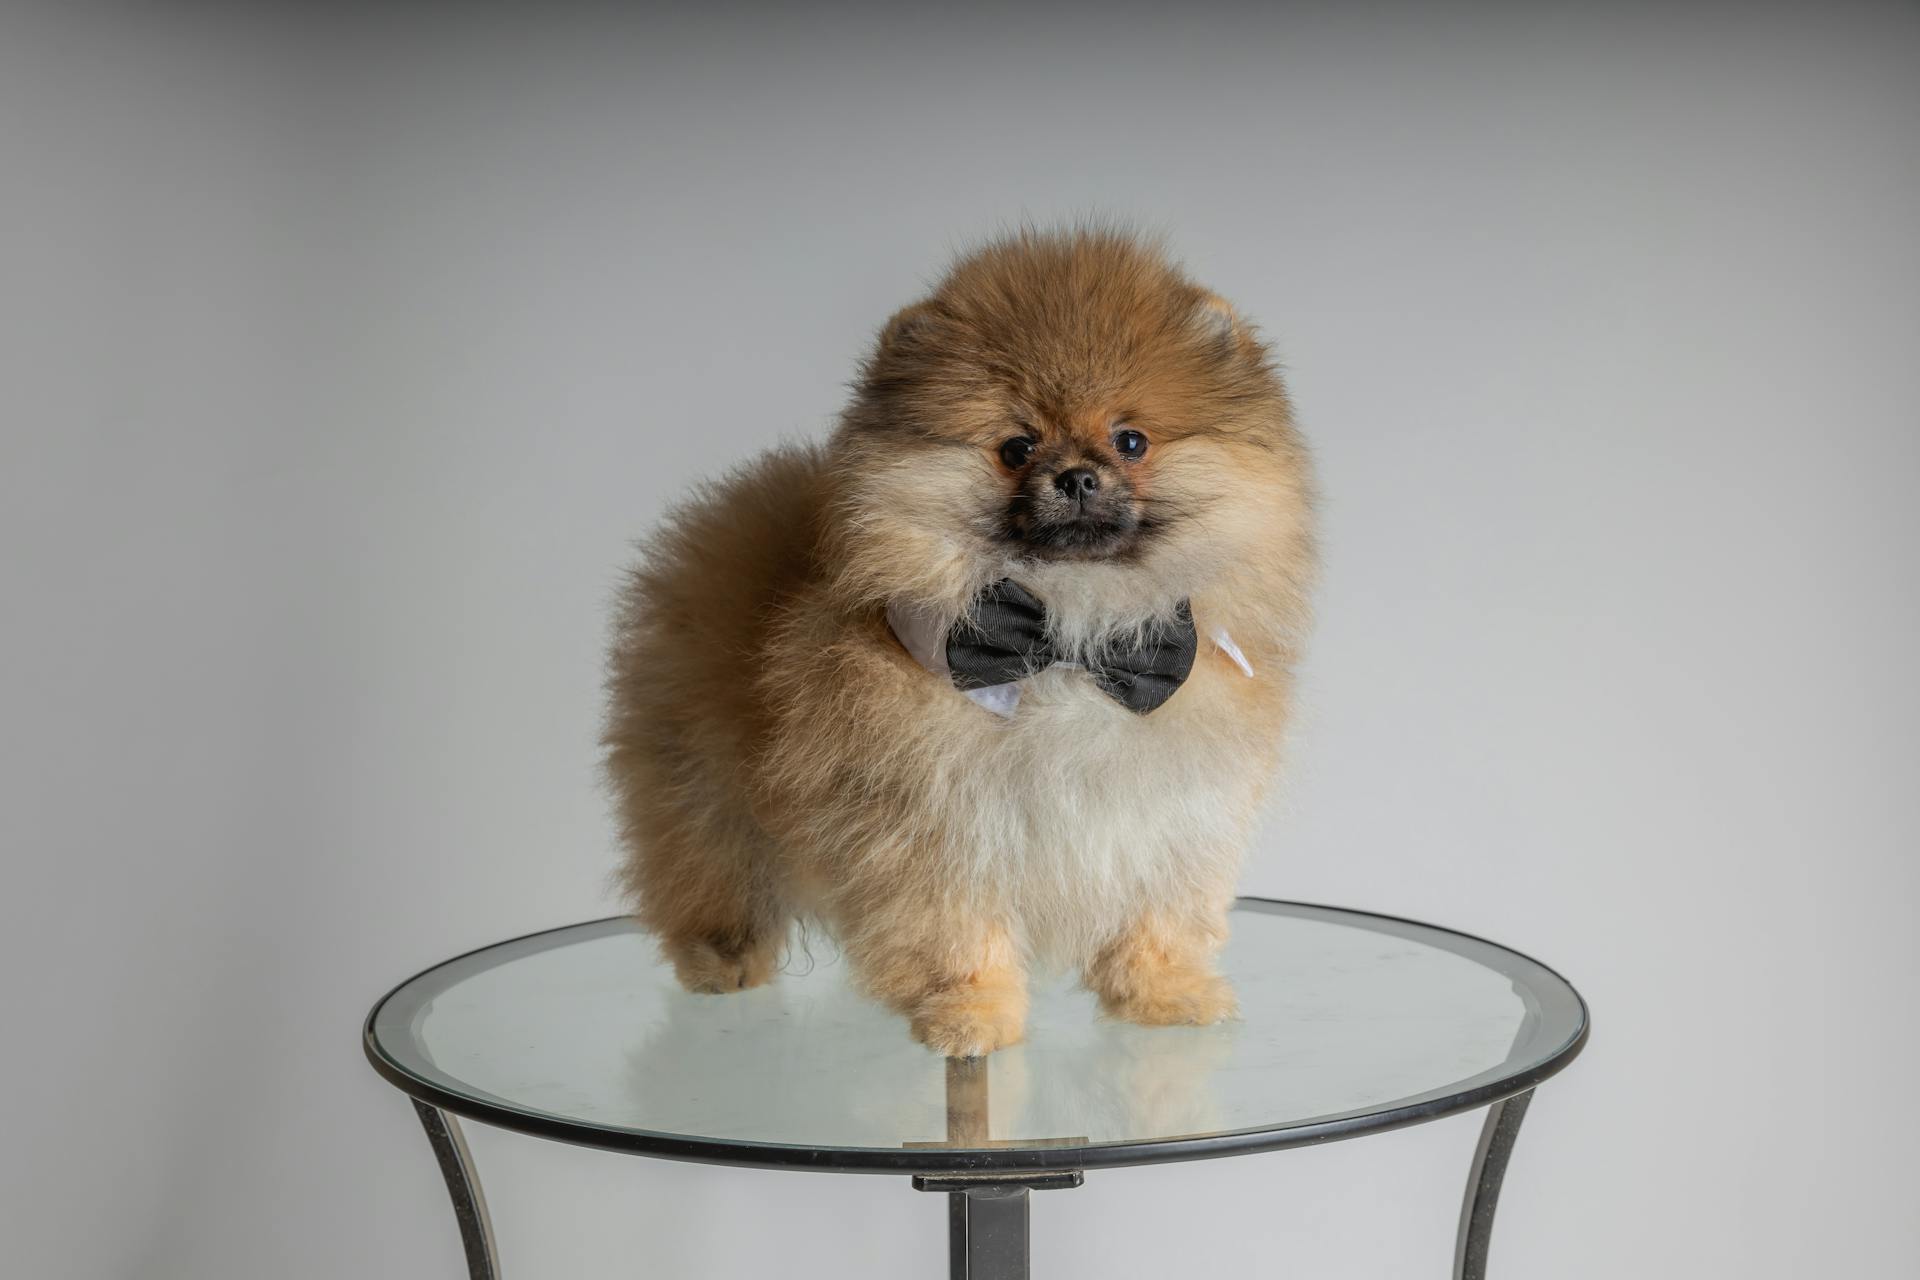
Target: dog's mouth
point(1105, 532)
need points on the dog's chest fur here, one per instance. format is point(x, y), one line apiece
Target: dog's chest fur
point(1080, 814)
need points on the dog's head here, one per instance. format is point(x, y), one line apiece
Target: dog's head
point(1068, 408)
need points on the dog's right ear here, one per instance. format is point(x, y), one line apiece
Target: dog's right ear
point(908, 326)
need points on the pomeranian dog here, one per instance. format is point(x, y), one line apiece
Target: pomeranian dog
point(996, 678)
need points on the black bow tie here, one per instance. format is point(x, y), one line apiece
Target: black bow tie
point(1006, 639)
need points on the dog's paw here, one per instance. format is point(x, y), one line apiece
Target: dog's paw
point(970, 1021)
point(1174, 998)
point(706, 969)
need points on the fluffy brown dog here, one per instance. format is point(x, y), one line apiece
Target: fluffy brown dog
point(1069, 466)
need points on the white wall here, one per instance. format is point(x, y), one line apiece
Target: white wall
point(343, 355)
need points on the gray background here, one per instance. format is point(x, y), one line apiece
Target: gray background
point(344, 353)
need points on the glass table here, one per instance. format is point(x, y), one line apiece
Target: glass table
point(1350, 1024)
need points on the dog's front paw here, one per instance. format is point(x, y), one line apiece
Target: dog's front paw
point(1174, 998)
point(971, 1021)
point(707, 969)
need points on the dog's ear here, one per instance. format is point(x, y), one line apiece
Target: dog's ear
point(908, 326)
point(1215, 317)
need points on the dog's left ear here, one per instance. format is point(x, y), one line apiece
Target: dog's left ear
point(1214, 316)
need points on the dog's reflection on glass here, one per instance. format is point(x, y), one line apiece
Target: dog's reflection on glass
point(808, 1061)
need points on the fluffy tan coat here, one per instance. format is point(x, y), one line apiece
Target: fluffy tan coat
point(775, 753)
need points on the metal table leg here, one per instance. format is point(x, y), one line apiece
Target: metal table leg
point(987, 1234)
point(987, 1220)
point(463, 1186)
point(986, 1212)
point(1483, 1185)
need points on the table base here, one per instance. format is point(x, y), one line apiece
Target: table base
point(987, 1221)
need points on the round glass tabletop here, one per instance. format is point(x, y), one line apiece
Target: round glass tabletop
point(1349, 1023)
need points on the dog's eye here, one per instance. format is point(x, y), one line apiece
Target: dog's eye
point(1129, 444)
point(1016, 451)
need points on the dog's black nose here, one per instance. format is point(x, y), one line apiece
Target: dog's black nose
point(1078, 483)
